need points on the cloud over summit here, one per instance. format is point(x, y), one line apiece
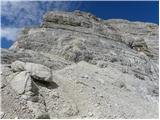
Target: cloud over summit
point(24, 13)
point(18, 14)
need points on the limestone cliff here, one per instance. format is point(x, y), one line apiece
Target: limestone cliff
point(99, 68)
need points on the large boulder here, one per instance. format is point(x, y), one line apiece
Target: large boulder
point(39, 72)
point(18, 66)
point(22, 83)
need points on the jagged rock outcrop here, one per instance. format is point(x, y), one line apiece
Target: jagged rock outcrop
point(100, 68)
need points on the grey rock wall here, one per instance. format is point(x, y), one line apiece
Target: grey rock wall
point(100, 68)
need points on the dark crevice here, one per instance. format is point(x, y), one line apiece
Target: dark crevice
point(49, 85)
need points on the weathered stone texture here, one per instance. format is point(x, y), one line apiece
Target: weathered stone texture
point(84, 67)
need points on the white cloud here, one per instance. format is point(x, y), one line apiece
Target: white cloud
point(19, 14)
point(9, 33)
point(22, 13)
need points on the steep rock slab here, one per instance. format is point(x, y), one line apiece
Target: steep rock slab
point(105, 93)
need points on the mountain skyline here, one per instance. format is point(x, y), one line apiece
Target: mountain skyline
point(29, 13)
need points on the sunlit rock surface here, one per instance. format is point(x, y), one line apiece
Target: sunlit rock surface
point(100, 68)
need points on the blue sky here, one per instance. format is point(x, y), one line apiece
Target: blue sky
point(15, 15)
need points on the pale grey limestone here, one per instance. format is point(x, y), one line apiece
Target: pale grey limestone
point(100, 68)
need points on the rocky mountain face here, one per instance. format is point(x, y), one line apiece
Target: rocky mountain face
point(75, 65)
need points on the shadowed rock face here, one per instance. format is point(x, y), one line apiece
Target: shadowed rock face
point(102, 68)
